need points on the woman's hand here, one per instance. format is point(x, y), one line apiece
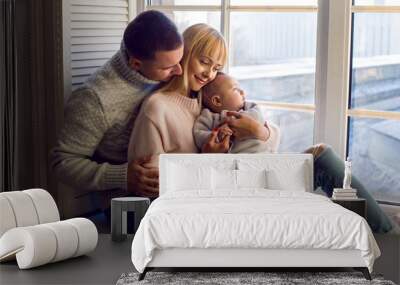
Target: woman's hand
point(214, 146)
point(245, 127)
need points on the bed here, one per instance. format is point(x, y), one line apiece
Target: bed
point(246, 211)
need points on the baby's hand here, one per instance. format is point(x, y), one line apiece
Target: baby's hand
point(213, 146)
point(224, 131)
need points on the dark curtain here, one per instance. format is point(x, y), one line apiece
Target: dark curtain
point(16, 96)
point(8, 95)
point(31, 86)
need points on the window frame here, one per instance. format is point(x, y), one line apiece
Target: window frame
point(333, 43)
point(367, 113)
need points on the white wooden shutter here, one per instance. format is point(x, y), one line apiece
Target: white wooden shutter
point(92, 33)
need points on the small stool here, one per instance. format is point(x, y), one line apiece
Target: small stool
point(119, 208)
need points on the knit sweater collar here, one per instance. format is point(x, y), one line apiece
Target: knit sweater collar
point(120, 63)
point(193, 105)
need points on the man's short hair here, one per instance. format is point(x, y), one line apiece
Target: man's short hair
point(149, 32)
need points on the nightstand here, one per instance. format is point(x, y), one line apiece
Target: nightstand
point(119, 208)
point(358, 205)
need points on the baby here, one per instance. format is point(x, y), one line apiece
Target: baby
point(223, 94)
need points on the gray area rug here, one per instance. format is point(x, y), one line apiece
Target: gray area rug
point(229, 278)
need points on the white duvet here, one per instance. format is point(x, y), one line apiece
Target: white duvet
point(250, 219)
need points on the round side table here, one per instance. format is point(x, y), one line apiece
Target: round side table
point(119, 208)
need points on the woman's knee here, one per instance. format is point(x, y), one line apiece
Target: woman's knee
point(317, 149)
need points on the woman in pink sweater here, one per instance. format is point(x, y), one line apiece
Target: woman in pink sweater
point(166, 118)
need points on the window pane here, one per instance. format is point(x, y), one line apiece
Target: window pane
point(377, 2)
point(273, 55)
point(275, 2)
point(185, 2)
point(296, 128)
point(374, 148)
point(376, 62)
point(184, 19)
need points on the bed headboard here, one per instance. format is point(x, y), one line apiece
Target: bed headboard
point(286, 171)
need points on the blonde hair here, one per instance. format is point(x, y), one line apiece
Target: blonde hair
point(199, 40)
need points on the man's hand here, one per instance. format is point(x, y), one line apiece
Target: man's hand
point(142, 180)
point(245, 127)
point(214, 146)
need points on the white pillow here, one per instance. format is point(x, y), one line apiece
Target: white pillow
point(227, 179)
point(251, 178)
point(282, 174)
point(224, 179)
point(292, 179)
point(181, 177)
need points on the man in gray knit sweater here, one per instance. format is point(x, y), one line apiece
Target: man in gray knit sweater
point(91, 154)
